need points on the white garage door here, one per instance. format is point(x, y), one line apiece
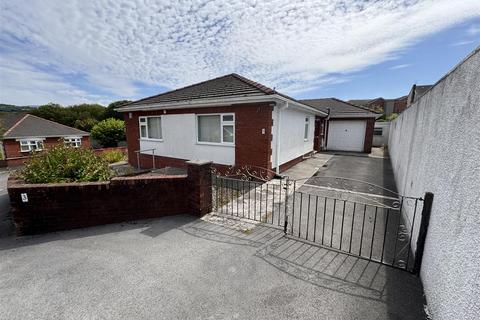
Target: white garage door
point(346, 135)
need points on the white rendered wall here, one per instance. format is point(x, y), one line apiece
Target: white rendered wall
point(180, 141)
point(292, 127)
point(435, 146)
point(379, 141)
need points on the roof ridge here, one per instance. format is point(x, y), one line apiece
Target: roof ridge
point(16, 124)
point(57, 123)
point(254, 84)
point(354, 105)
point(189, 86)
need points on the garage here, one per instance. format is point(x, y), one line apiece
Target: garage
point(346, 135)
point(349, 127)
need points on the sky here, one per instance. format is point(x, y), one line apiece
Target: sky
point(99, 51)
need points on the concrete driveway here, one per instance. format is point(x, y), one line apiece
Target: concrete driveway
point(377, 171)
point(186, 268)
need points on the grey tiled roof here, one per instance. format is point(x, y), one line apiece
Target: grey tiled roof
point(225, 86)
point(338, 107)
point(32, 126)
point(360, 102)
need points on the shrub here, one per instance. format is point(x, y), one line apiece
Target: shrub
point(65, 164)
point(391, 117)
point(109, 132)
point(113, 156)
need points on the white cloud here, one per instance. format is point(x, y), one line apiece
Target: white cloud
point(400, 66)
point(284, 44)
point(473, 30)
point(462, 43)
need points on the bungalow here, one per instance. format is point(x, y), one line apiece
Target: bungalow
point(24, 133)
point(348, 127)
point(230, 120)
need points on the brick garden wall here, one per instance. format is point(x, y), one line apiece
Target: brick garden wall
point(54, 207)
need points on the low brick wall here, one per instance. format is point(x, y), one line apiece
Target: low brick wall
point(61, 206)
point(123, 150)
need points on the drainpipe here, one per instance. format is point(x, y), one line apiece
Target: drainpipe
point(277, 148)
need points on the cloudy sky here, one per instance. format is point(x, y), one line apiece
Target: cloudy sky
point(76, 51)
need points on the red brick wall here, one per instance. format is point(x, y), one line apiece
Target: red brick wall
point(367, 145)
point(400, 105)
point(319, 133)
point(252, 147)
point(15, 157)
point(377, 105)
point(53, 207)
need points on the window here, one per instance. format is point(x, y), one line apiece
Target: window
point(31, 145)
point(378, 131)
point(216, 128)
point(73, 141)
point(151, 128)
point(307, 128)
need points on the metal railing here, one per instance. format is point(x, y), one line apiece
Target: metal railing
point(144, 150)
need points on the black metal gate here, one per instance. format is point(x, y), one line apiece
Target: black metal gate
point(351, 216)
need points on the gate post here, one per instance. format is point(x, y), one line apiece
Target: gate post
point(422, 233)
point(199, 179)
point(285, 223)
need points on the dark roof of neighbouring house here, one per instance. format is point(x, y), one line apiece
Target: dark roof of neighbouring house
point(420, 90)
point(360, 102)
point(339, 108)
point(27, 125)
point(230, 85)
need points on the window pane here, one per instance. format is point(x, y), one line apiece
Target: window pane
point(228, 134)
point(154, 128)
point(228, 117)
point(209, 128)
point(143, 131)
point(305, 135)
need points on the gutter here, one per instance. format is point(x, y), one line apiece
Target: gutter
point(227, 101)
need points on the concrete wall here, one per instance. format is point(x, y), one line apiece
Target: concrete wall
point(379, 141)
point(292, 128)
point(435, 146)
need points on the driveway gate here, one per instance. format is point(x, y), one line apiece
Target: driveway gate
point(351, 216)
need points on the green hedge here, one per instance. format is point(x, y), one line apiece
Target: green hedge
point(65, 164)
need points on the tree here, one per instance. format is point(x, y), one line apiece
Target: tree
point(85, 124)
point(109, 132)
point(110, 110)
point(54, 112)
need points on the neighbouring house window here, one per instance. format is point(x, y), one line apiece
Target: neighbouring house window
point(73, 141)
point(31, 145)
point(216, 128)
point(151, 127)
point(307, 125)
point(378, 131)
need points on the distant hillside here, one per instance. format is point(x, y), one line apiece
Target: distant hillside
point(13, 108)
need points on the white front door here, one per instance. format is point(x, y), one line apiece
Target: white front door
point(346, 135)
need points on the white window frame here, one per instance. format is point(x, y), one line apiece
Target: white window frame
point(222, 124)
point(145, 124)
point(37, 142)
point(306, 128)
point(75, 142)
